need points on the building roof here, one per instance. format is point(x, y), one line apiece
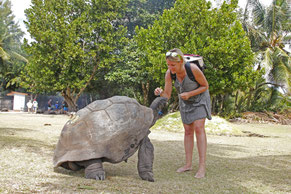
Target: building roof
point(19, 93)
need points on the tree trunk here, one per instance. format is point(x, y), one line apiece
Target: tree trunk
point(70, 100)
point(235, 101)
point(213, 105)
point(71, 104)
point(221, 106)
point(71, 97)
point(33, 96)
point(145, 90)
point(250, 98)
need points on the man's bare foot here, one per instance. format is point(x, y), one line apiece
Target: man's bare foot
point(184, 169)
point(200, 174)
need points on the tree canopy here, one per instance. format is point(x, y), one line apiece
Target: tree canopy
point(143, 13)
point(72, 40)
point(194, 27)
point(91, 45)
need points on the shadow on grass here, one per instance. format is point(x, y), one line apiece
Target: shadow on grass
point(10, 138)
point(10, 131)
point(112, 170)
point(225, 173)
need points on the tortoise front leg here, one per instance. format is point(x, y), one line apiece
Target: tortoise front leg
point(93, 169)
point(145, 160)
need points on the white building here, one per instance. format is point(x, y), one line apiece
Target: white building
point(18, 100)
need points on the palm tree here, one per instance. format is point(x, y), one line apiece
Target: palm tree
point(10, 45)
point(268, 29)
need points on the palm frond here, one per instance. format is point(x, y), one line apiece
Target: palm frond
point(269, 22)
point(5, 37)
point(258, 11)
point(18, 56)
point(5, 56)
point(268, 58)
point(274, 96)
point(280, 72)
point(277, 17)
point(255, 35)
point(285, 59)
point(287, 39)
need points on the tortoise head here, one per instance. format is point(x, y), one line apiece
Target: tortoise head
point(157, 105)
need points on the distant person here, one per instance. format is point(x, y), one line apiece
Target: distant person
point(29, 106)
point(49, 104)
point(57, 107)
point(35, 105)
point(65, 107)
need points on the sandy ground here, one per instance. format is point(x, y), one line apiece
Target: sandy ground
point(235, 164)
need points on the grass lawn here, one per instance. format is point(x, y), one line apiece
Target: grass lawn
point(236, 163)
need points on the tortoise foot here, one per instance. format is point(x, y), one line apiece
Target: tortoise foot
point(98, 175)
point(95, 170)
point(147, 176)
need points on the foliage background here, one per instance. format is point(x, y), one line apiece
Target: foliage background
point(117, 48)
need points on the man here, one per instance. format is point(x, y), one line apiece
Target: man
point(29, 106)
point(35, 106)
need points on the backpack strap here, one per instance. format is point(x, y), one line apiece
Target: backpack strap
point(188, 71)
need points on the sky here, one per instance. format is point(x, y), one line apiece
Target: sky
point(18, 7)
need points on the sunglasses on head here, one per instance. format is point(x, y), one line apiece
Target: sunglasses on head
point(171, 54)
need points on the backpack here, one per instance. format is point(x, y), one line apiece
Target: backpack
point(191, 58)
point(196, 59)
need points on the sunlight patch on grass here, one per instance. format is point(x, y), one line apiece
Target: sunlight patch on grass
point(257, 186)
point(218, 126)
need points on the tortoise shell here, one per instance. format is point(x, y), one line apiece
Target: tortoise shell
point(109, 129)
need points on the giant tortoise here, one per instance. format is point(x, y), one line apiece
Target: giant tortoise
point(109, 130)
